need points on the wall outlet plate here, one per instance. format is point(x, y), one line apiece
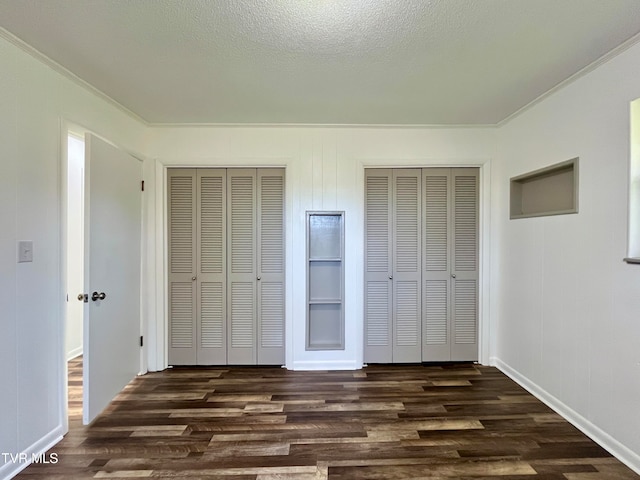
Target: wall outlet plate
point(25, 251)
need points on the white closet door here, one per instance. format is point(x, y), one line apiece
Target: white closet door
point(271, 261)
point(436, 287)
point(406, 250)
point(378, 266)
point(182, 266)
point(242, 274)
point(211, 261)
point(464, 267)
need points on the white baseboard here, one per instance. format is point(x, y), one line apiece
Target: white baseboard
point(602, 438)
point(11, 469)
point(326, 365)
point(76, 352)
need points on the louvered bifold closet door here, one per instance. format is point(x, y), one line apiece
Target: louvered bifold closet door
point(182, 266)
point(211, 261)
point(271, 261)
point(241, 263)
point(464, 260)
point(407, 266)
point(378, 342)
point(436, 255)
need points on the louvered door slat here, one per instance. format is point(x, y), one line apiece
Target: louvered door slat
point(181, 218)
point(211, 277)
point(181, 190)
point(242, 229)
point(212, 317)
point(181, 332)
point(242, 319)
point(242, 275)
point(407, 329)
point(212, 223)
point(465, 265)
point(437, 235)
point(407, 301)
point(465, 312)
point(466, 225)
point(436, 311)
point(407, 222)
point(271, 258)
point(436, 222)
point(378, 325)
point(271, 211)
point(272, 319)
point(378, 299)
point(378, 206)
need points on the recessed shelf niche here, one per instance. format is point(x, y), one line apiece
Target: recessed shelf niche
point(325, 281)
point(551, 190)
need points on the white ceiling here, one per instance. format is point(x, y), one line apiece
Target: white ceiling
point(425, 62)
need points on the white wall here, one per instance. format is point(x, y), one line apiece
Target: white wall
point(566, 307)
point(324, 171)
point(33, 99)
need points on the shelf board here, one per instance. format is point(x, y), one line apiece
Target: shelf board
point(324, 346)
point(330, 301)
point(325, 259)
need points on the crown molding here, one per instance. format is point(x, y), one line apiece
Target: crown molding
point(321, 125)
point(55, 66)
point(610, 55)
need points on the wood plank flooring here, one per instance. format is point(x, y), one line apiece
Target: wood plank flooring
point(382, 422)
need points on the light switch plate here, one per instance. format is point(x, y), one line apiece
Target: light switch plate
point(25, 251)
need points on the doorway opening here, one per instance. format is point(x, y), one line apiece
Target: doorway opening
point(73, 342)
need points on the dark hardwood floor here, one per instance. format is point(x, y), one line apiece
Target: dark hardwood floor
point(382, 422)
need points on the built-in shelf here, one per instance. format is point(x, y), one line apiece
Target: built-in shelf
point(552, 190)
point(325, 280)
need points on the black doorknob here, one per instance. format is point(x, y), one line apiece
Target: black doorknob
point(98, 296)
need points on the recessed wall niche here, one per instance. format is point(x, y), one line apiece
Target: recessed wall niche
point(325, 280)
point(551, 190)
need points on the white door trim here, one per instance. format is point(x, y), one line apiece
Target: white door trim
point(484, 226)
point(68, 126)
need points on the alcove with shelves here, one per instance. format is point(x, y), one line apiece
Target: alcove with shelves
point(325, 280)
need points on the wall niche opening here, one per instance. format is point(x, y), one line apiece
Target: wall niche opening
point(551, 190)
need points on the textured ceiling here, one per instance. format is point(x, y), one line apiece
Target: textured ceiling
point(405, 62)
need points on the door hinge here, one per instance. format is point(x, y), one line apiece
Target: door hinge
point(143, 185)
point(141, 340)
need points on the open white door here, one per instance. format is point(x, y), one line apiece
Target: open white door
point(112, 271)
